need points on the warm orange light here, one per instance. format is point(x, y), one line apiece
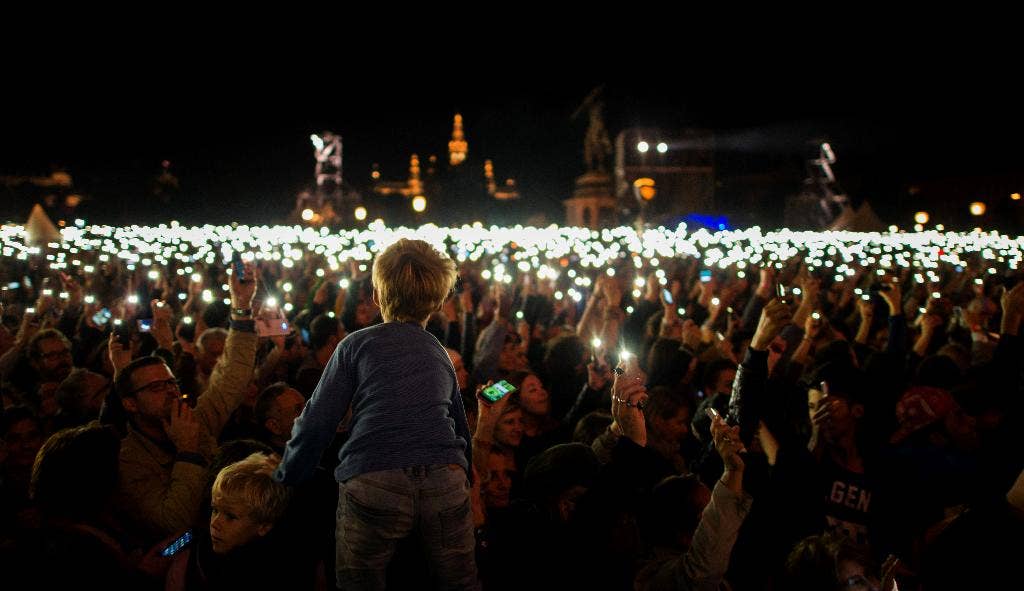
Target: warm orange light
point(1015, 196)
point(645, 188)
point(419, 203)
point(977, 208)
point(921, 217)
point(360, 213)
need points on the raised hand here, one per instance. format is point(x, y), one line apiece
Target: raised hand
point(774, 317)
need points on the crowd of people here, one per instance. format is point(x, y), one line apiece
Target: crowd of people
point(678, 426)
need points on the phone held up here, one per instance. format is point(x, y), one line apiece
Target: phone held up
point(238, 267)
point(497, 391)
point(178, 544)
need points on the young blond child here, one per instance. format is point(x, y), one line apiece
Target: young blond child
point(247, 503)
point(405, 465)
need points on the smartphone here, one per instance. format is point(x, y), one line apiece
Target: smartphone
point(497, 391)
point(272, 327)
point(780, 291)
point(667, 296)
point(145, 324)
point(713, 413)
point(238, 268)
point(102, 317)
point(705, 275)
point(176, 546)
point(123, 332)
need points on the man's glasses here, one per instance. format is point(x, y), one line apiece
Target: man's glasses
point(159, 386)
point(55, 354)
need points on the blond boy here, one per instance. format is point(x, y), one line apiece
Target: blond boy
point(405, 465)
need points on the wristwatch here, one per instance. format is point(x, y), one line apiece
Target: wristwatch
point(242, 312)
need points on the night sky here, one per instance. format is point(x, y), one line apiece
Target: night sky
point(237, 136)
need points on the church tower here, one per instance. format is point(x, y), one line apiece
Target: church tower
point(457, 147)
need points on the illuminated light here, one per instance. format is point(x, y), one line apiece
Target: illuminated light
point(662, 281)
point(662, 147)
point(741, 274)
point(642, 147)
point(624, 355)
point(645, 188)
point(117, 321)
point(288, 307)
point(936, 295)
point(362, 267)
point(226, 301)
point(187, 320)
point(287, 287)
point(865, 297)
point(207, 296)
point(1014, 196)
point(595, 343)
point(815, 316)
point(559, 295)
point(639, 282)
point(182, 296)
point(419, 203)
point(225, 287)
point(716, 301)
point(89, 299)
point(977, 208)
point(486, 274)
point(330, 314)
point(610, 272)
point(978, 281)
point(81, 223)
point(63, 295)
point(797, 291)
point(921, 217)
point(940, 227)
point(271, 302)
point(636, 293)
point(307, 214)
point(153, 275)
point(196, 277)
point(344, 283)
point(655, 262)
point(318, 142)
point(89, 269)
point(880, 272)
point(360, 213)
point(893, 229)
point(319, 272)
point(629, 309)
point(133, 299)
point(681, 311)
point(918, 228)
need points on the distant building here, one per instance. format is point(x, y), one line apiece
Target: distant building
point(461, 190)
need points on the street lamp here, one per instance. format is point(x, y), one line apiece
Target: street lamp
point(978, 208)
point(921, 217)
point(419, 203)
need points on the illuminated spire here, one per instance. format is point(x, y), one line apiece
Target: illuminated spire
point(458, 147)
point(489, 175)
point(415, 184)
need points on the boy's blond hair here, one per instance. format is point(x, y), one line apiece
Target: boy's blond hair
point(250, 482)
point(412, 280)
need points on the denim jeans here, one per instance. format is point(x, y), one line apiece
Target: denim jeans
point(377, 509)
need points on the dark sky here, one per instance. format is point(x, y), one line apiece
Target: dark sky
point(237, 135)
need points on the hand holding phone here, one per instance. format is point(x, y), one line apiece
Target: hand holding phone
point(497, 391)
point(666, 296)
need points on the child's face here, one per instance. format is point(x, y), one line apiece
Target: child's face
point(231, 525)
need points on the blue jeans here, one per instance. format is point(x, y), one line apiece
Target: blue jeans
point(377, 509)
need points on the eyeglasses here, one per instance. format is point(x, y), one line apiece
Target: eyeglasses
point(159, 386)
point(55, 354)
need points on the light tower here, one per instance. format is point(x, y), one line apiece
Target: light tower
point(457, 147)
